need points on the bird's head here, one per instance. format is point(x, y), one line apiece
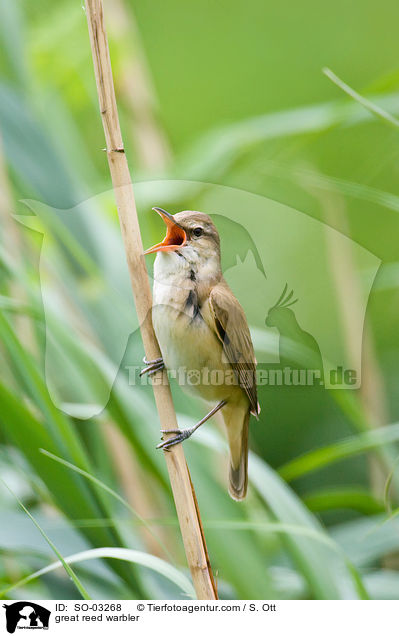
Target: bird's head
point(280, 314)
point(190, 234)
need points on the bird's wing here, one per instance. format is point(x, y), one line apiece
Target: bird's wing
point(232, 329)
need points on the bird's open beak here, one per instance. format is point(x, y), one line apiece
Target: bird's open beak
point(175, 235)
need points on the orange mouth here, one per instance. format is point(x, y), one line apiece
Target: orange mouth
point(175, 235)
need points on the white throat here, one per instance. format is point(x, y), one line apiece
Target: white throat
point(174, 269)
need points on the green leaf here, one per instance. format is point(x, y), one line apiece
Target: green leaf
point(351, 498)
point(111, 492)
point(372, 108)
point(329, 576)
point(321, 457)
point(63, 563)
point(131, 556)
point(368, 539)
point(73, 496)
point(216, 151)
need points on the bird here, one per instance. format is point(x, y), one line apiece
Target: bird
point(298, 349)
point(201, 326)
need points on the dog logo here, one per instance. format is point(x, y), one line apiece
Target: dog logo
point(26, 615)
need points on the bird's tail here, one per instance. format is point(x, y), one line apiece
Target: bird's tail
point(238, 442)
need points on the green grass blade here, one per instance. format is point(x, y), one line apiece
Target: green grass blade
point(328, 576)
point(111, 492)
point(370, 106)
point(75, 497)
point(217, 150)
point(62, 561)
point(321, 457)
point(123, 554)
point(343, 498)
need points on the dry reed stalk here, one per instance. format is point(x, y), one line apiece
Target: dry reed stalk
point(183, 492)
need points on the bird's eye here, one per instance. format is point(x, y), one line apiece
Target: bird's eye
point(197, 231)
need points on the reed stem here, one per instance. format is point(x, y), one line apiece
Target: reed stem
point(183, 492)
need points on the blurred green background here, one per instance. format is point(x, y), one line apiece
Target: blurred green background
point(232, 94)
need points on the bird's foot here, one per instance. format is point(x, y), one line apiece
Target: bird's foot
point(180, 436)
point(152, 366)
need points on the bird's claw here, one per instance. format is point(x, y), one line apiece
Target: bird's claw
point(152, 366)
point(179, 437)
